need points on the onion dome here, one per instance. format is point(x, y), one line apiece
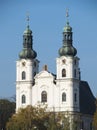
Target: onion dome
point(27, 54)
point(27, 51)
point(67, 49)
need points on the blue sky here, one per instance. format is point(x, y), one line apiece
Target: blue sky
point(47, 19)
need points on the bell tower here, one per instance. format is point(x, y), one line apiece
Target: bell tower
point(26, 68)
point(68, 77)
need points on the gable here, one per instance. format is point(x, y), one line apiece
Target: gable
point(44, 74)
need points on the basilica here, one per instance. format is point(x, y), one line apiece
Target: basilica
point(61, 92)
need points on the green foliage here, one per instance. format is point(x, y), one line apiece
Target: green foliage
point(7, 108)
point(66, 124)
point(29, 118)
point(34, 118)
point(37, 118)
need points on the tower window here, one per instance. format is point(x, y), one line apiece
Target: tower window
point(44, 96)
point(23, 99)
point(75, 62)
point(23, 75)
point(25, 39)
point(75, 97)
point(75, 73)
point(65, 37)
point(63, 73)
point(63, 97)
point(68, 37)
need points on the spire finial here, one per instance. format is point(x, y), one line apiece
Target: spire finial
point(67, 13)
point(28, 19)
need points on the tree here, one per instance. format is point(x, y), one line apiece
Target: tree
point(34, 118)
point(95, 118)
point(66, 123)
point(29, 118)
point(70, 121)
point(7, 108)
point(38, 118)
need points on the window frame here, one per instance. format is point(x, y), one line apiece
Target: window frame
point(23, 75)
point(74, 73)
point(23, 99)
point(63, 72)
point(43, 96)
point(63, 97)
point(75, 97)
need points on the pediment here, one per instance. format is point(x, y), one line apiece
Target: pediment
point(44, 74)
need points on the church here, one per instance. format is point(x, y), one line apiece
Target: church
point(61, 92)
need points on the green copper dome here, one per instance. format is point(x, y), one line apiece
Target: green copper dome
point(27, 31)
point(27, 54)
point(67, 28)
point(67, 50)
point(27, 51)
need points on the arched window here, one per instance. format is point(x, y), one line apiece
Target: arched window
point(23, 99)
point(63, 97)
point(25, 39)
point(63, 73)
point(75, 73)
point(23, 75)
point(75, 97)
point(44, 96)
point(65, 37)
point(75, 61)
point(68, 37)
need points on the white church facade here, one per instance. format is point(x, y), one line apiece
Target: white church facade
point(61, 92)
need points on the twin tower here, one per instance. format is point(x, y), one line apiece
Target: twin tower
point(60, 91)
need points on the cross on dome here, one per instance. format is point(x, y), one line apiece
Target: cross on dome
point(67, 13)
point(28, 19)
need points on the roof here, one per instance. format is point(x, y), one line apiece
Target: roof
point(87, 100)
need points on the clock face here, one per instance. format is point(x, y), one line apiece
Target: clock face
point(63, 61)
point(23, 63)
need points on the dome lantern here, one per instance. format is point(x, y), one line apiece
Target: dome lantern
point(67, 49)
point(27, 51)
